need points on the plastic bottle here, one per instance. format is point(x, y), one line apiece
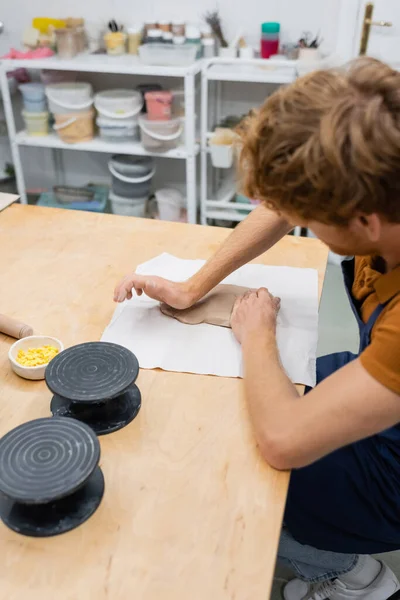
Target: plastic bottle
point(269, 39)
point(209, 49)
point(193, 36)
point(168, 37)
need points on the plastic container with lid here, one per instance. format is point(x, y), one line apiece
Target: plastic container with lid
point(153, 36)
point(73, 128)
point(178, 28)
point(128, 207)
point(269, 39)
point(169, 203)
point(159, 105)
point(168, 37)
point(118, 130)
point(169, 56)
point(118, 104)
point(36, 123)
point(68, 42)
point(164, 26)
point(131, 176)
point(34, 97)
point(69, 97)
point(160, 136)
point(209, 47)
point(134, 39)
point(149, 25)
point(147, 87)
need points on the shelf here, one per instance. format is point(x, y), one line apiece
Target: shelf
point(255, 72)
point(98, 145)
point(225, 215)
point(102, 63)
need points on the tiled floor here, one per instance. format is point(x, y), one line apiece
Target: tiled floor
point(337, 331)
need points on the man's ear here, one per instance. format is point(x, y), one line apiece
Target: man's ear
point(369, 226)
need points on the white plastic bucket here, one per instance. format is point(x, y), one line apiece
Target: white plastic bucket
point(69, 97)
point(128, 207)
point(118, 129)
point(118, 104)
point(169, 204)
point(75, 127)
point(160, 136)
point(131, 176)
point(36, 123)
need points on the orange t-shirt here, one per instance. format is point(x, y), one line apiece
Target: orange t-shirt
point(372, 286)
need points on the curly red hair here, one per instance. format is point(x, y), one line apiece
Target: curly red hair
point(328, 146)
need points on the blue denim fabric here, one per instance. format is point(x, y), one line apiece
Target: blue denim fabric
point(310, 564)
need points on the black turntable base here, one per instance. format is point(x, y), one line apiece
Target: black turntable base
point(94, 383)
point(50, 481)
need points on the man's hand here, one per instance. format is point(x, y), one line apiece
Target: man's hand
point(177, 295)
point(254, 312)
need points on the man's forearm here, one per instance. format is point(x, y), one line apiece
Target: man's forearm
point(269, 394)
point(255, 235)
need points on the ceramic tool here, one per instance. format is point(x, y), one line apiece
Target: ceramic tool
point(50, 481)
point(94, 382)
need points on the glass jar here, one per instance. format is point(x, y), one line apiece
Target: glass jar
point(68, 42)
point(115, 42)
point(154, 36)
point(168, 37)
point(178, 28)
point(165, 26)
point(270, 39)
point(134, 39)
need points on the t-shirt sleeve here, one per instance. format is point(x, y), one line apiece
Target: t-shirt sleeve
point(382, 357)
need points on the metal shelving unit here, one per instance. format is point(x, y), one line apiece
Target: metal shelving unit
point(124, 65)
point(218, 193)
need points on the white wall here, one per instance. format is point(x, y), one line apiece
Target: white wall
point(245, 16)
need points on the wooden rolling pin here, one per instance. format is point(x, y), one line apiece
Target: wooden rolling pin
point(14, 328)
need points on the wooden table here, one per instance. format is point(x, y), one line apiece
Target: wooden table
point(190, 510)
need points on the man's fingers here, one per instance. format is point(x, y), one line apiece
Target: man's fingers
point(262, 292)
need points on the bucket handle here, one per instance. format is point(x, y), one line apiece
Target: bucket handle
point(111, 115)
point(130, 179)
point(65, 124)
point(157, 136)
point(69, 106)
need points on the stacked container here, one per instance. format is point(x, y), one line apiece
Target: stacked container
point(71, 105)
point(131, 184)
point(159, 130)
point(35, 112)
point(118, 112)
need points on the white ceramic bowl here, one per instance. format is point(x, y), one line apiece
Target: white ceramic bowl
point(33, 341)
